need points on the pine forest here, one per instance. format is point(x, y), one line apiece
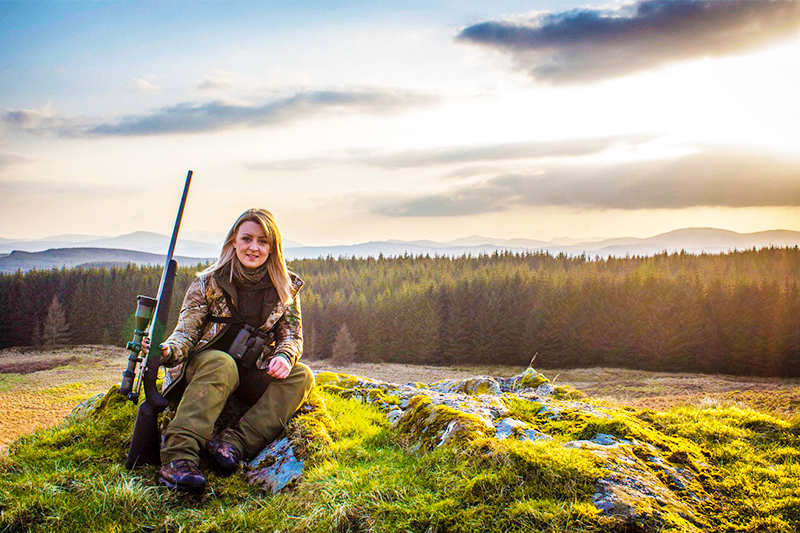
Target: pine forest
point(735, 313)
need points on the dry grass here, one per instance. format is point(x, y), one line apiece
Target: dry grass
point(38, 388)
point(662, 390)
point(48, 384)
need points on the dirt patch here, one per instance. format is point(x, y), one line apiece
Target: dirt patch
point(29, 367)
point(42, 397)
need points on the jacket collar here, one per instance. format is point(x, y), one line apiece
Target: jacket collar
point(222, 277)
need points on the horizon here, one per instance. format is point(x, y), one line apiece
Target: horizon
point(357, 122)
point(552, 240)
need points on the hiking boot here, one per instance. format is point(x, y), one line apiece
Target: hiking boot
point(182, 474)
point(224, 457)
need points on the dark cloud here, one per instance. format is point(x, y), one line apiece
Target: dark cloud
point(718, 177)
point(593, 44)
point(213, 116)
point(462, 154)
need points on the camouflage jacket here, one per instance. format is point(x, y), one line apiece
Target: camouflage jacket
point(194, 331)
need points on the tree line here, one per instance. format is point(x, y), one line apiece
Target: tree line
point(734, 313)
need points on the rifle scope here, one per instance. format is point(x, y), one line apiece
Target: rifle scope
point(144, 314)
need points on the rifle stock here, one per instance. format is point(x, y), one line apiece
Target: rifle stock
point(146, 441)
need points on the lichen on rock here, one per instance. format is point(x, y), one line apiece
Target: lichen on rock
point(642, 475)
point(641, 481)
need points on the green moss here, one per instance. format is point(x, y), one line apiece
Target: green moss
point(344, 381)
point(563, 392)
point(530, 379)
point(381, 397)
point(362, 475)
point(756, 476)
point(312, 429)
point(425, 424)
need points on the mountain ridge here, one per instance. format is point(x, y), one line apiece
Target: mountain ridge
point(690, 240)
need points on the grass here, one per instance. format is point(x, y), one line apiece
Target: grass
point(70, 478)
point(743, 474)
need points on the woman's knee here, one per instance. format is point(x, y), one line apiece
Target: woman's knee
point(305, 376)
point(215, 363)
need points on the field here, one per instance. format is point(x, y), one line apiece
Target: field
point(38, 388)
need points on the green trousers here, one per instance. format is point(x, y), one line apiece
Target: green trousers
point(212, 376)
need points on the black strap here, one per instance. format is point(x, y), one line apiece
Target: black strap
point(223, 319)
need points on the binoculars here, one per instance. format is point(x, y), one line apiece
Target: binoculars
point(248, 345)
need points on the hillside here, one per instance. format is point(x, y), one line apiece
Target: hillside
point(472, 454)
point(86, 257)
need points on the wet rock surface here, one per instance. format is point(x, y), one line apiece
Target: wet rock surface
point(276, 467)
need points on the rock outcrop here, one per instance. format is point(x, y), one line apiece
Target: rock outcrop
point(649, 478)
point(645, 478)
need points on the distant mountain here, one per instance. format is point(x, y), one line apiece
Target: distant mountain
point(692, 240)
point(140, 241)
point(477, 240)
point(71, 237)
point(567, 241)
point(135, 248)
point(73, 257)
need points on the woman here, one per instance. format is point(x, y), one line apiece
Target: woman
point(246, 298)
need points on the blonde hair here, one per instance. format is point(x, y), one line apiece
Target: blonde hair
point(276, 264)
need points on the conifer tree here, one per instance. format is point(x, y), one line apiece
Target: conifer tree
point(56, 329)
point(344, 346)
point(37, 338)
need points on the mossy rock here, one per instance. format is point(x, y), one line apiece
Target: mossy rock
point(425, 425)
point(473, 386)
point(341, 465)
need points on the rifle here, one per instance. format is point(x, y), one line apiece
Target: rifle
point(151, 319)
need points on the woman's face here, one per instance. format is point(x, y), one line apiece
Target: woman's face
point(252, 247)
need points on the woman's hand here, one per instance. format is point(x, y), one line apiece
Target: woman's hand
point(146, 347)
point(279, 367)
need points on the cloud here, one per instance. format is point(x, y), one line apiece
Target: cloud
point(144, 86)
point(505, 151)
point(218, 115)
point(8, 158)
point(716, 177)
point(586, 45)
point(43, 121)
point(462, 154)
point(217, 81)
point(13, 190)
point(30, 119)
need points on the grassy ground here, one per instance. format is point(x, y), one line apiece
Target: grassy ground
point(38, 388)
point(366, 479)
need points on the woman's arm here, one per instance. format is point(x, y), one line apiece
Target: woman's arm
point(289, 333)
point(190, 324)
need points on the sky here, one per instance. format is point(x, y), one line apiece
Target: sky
point(363, 121)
